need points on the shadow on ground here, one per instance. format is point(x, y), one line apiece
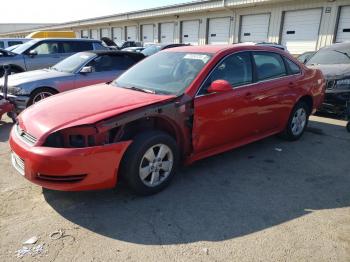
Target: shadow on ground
point(230, 195)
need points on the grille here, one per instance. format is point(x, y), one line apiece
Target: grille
point(18, 163)
point(29, 139)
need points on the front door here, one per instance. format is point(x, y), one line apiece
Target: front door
point(222, 119)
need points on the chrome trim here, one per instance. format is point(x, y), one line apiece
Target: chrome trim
point(18, 163)
point(24, 136)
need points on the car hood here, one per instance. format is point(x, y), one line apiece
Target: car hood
point(333, 72)
point(82, 106)
point(36, 75)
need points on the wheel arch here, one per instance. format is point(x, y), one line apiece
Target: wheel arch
point(308, 100)
point(43, 87)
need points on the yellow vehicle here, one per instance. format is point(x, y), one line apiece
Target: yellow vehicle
point(52, 34)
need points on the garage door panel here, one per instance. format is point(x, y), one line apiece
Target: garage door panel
point(190, 32)
point(147, 33)
point(343, 32)
point(131, 33)
point(167, 33)
point(105, 32)
point(219, 30)
point(117, 34)
point(301, 29)
point(255, 28)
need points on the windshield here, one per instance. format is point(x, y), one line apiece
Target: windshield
point(74, 62)
point(151, 50)
point(23, 47)
point(164, 73)
point(330, 56)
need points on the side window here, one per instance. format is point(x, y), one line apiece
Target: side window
point(236, 69)
point(2, 44)
point(269, 65)
point(293, 67)
point(110, 63)
point(11, 43)
point(76, 46)
point(47, 48)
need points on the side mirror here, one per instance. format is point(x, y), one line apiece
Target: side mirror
point(86, 70)
point(33, 53)
point(219, 86)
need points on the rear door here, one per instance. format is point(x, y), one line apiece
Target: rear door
point(48, 54)
point(105, 68)
point(273, 89)
point(223, 119)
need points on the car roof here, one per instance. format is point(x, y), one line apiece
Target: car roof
point(215, 49)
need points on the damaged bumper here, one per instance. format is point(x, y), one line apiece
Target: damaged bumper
point(19, 101)
point(68, 169)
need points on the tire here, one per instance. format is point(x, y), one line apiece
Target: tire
point(297, 122)
point(137, 162)
point(40, 94)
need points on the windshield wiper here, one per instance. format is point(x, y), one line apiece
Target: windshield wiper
point(344, 53)
point(141, 89)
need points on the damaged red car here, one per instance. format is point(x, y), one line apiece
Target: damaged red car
point(177, 106)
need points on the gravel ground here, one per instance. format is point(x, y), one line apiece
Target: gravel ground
point(254, 203)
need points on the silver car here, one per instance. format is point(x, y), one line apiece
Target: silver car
point(42, 53)
point(79, 70)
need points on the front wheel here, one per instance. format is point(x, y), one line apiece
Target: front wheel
point(150, 162)
point(40, 94)
point(297, 122)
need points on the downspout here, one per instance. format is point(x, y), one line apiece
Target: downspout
point(233, 18)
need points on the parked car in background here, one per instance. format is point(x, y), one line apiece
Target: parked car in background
point(304, 57)
point(43, 53)
point(79, 70)
point(182, 104)
point(275, 45)
point(134, 49)
point(7, 42)
point(334, 62)
point(126, 44)
point(152, 49)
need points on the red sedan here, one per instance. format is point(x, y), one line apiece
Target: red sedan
point(180, 105)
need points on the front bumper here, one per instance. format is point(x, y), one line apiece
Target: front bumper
point(336, 102)
point(19, 101)
point(68, 169)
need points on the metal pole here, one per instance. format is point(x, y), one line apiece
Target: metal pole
point(7, 70)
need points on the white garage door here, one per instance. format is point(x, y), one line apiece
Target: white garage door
point(94, 34)
point(117, 34)
point(219, 30)
point(300, 30)
point(84, 33)
point(147, 34)
point(255, 28)
point(167, 33)
point(105, 32)
point(131, 33)
point(343, 32)
point(190, 32)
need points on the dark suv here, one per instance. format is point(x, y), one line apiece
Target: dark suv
point(42, 53)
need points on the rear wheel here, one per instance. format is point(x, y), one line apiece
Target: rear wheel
point(40, 94)
point(297, 122)
point(150, 162)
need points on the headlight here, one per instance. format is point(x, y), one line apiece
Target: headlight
point(15, 90)
point(343, 84)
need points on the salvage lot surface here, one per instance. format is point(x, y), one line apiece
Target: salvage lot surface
point(254, 203)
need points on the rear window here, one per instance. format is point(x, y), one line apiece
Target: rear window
point(2, 44)
point(76, 46)
point(269, 65)
point(293, 67)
